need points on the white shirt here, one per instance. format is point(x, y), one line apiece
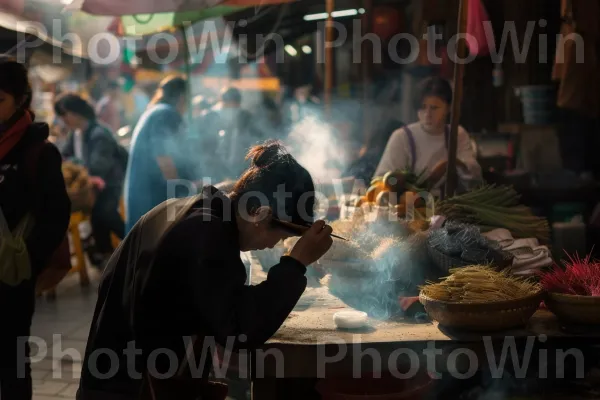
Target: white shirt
point(78, 144)
point(429, 150)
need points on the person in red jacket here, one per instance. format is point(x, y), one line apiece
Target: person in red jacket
point(40, 193)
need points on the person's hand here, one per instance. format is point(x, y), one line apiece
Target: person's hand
point(98, 182)
point(313, 244)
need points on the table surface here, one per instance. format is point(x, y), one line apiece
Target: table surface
point(311, 323)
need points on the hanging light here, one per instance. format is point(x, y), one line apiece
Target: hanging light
point(336, 14)
point(290, 50)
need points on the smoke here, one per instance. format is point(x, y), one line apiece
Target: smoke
point(317, 147)
point(396, 268)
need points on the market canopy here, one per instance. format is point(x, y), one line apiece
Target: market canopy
point(141, 17)
point(146, 24)
point(133, 7)
point(15, 30)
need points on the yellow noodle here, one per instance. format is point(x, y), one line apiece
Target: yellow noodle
point(479, 284)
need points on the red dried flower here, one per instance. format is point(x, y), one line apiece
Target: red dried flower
point(577, 276)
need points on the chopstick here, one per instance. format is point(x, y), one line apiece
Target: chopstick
point(300, 228)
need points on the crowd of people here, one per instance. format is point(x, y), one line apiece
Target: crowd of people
point(141, 298)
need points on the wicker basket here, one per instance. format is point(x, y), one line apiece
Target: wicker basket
point(483, 317)
point(581, 310)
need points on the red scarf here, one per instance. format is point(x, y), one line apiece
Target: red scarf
point(14, 134)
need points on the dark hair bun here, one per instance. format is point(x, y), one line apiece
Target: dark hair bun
point(266, 154)
point(271, 169)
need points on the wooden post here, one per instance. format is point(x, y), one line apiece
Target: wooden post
point(459, 72)
point(330, 8)
point(367, 71)
point(188, 73)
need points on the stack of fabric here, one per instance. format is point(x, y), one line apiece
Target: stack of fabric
point(529, 255)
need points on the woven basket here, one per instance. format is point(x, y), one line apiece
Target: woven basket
point(581, 310)
point(483, 317)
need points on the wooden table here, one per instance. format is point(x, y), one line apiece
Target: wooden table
point(308, 346)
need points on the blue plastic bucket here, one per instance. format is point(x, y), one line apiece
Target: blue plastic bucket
point(539, 103)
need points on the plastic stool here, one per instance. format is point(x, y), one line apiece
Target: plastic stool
point(80, 264)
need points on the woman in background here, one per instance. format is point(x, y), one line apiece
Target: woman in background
point(31, 183)
point(423, 146)
point(157, 153)
point(95, 147)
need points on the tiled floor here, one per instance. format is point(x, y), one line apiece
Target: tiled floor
point(60, 328)
point(59, 334)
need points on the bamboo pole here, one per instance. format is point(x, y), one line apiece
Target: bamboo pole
point(188, 73)
point(330, 8)
point(367, 71)
point(459, 72)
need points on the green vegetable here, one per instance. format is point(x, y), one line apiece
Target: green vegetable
point(493, 207)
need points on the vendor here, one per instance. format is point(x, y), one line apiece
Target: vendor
point(179, 274)
point(93, 144)
point(423, 146)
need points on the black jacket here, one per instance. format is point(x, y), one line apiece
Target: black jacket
point(100, 154)
point(19, 195)
point(186, 279)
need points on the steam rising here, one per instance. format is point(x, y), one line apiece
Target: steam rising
point(394, 268)
point(314, 144)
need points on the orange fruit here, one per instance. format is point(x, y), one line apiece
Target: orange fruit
point(374, 191)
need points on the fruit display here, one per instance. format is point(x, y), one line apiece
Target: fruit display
point(79, 188)
point(399, 191)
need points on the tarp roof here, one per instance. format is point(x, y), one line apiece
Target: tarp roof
point(17, 28)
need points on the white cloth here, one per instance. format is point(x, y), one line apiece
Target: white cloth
point(529, 256)
point(429, 150)
point(78, 144)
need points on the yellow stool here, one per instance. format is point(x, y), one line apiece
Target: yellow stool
point(80, 264)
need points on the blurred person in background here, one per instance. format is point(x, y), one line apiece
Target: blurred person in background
point(269, 119)
point(158, 152)
point(384, 122)
point(59, 133)
point(93, 145)
point(302, 104)
point(423, 145)
point(108, 108)
point(28, 186)
point(201, 105)
point(180, 277)
point(230, 130)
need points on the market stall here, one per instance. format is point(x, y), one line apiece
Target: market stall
point(312, 347)
point(467, 274)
